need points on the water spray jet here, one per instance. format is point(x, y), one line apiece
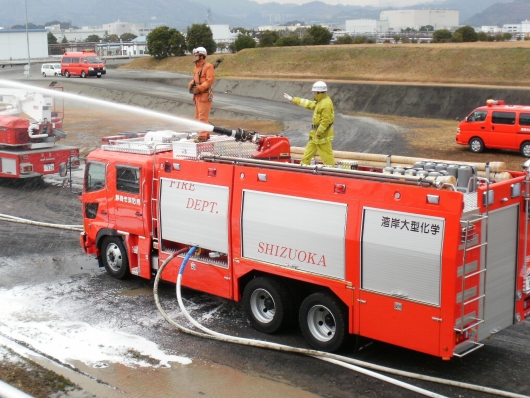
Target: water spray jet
point(182, 123)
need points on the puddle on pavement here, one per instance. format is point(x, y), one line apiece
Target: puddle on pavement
point(202, 379)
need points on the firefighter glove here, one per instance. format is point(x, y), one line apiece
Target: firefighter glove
point(190, 85)
point(197, 90)
point(287, 97)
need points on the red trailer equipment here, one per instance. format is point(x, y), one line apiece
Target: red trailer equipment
point(434, 264)
point(28, 146)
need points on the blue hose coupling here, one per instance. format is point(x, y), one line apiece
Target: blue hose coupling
point(188, 255)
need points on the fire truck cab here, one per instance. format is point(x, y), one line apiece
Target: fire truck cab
point(422, 262)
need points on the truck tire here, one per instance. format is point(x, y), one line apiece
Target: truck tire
point(476, 145)
point(67, 74)
point(43, 74)
point(525, 149)
point(83, 74)
point(324, 322)
point(268, 304)
point(114, 257)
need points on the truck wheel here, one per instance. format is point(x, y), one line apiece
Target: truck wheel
point(268, 304)
point(83, 74)
point(476, 145)
point(43, 74)
point(525, 149)
point(323, 320)
point(114, 257)
point(67, 74)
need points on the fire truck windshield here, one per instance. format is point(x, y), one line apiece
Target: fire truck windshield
point(94, 60)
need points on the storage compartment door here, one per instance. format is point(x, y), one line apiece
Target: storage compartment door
point(295, 233)
point(194, 214)
point(401, 256)
point(8, 166)
point(501, 269)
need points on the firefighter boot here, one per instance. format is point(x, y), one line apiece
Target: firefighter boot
point(203, 136)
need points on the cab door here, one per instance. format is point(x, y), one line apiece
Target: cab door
point(503, 131)
point(94, 198)
point(129, 215)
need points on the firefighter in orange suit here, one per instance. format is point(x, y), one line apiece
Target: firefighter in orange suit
point(201, 87)
point(322, 132)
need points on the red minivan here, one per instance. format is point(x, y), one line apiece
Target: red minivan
point(85, 63)
point(496, 125)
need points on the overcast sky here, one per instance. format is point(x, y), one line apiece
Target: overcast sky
point(375, 3)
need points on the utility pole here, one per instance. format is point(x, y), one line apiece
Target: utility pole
point(27, 38)
point(209, 15)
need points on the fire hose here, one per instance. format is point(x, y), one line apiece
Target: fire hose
point(349, 363)
point(6, 217)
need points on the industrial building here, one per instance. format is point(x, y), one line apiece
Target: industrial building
point(366, 26)
point(14, 44)
point(415, 19)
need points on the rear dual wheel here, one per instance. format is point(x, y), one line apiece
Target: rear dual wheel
point(268, 304)
point(324, 322)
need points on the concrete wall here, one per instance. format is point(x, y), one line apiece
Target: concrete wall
point(424, 101)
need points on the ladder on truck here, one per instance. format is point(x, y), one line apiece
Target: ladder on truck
point(468, 226)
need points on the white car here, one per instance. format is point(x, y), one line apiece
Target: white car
point(50, 70)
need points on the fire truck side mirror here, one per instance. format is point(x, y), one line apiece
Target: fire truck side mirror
point(62, 169)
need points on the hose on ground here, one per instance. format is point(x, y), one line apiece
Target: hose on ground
point(346, 362)
point(6, 217)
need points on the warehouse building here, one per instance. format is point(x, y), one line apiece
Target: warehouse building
point(366, 26)
point(14, 44)
point(415, 19)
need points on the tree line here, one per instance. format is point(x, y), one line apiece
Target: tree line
point(163, 41)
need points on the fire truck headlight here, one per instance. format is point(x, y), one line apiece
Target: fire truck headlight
point(90, 68)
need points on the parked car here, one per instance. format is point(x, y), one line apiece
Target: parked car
point(50, 70)
point(496, 125)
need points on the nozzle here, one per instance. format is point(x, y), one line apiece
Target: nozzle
point(223, 131)
point(239, 134)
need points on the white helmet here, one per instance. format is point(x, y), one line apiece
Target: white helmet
point(199, 51)
point(319, 87)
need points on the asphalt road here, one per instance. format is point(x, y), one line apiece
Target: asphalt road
point(48, 266)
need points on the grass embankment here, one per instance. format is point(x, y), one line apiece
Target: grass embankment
point(498, 64)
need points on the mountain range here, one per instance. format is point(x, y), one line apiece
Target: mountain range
point(240, 13)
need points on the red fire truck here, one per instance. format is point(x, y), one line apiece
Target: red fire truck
point(431, 262)
point(30, 126)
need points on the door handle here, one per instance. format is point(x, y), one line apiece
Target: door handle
point(138, 214)
point(482, 127)
point(361, 301)
point(103, 212)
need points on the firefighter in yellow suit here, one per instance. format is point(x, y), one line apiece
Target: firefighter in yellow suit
point(322, 132)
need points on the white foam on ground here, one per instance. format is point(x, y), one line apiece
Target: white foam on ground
point(43, 318)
